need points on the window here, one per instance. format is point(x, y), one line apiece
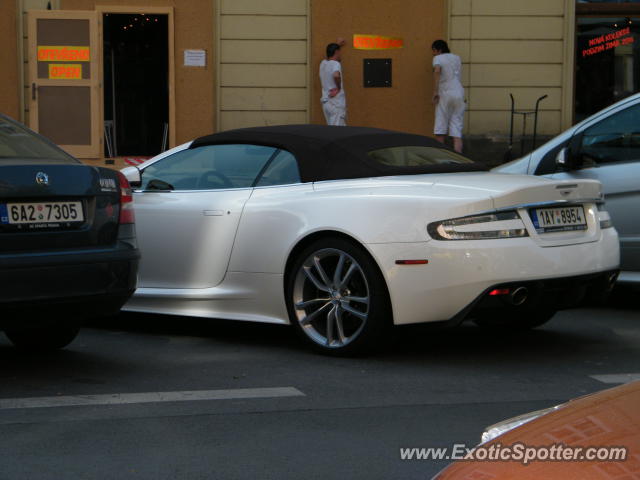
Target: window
point(19, 143)
point(283, 170)
point(607, 61)
point(210, 167)
point(416, 156)
point(614, 139)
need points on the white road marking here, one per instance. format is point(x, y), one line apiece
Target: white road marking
point(150, 397)
point(617, 377)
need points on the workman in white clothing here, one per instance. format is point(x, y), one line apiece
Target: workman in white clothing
point(334, 101)
point(448, 94)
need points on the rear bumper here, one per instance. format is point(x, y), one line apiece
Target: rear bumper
point(82, 284)
point(554, 293)
point(458, 273)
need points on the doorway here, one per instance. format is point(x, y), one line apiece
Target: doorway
point(136, 85)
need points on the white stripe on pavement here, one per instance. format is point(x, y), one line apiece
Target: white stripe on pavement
point(150, 397)
point(617, 377)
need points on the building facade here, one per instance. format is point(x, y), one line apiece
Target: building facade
point(132, 77)
point(583, 55)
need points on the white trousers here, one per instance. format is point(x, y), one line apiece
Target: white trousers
point(334, 115)
point(449, 116)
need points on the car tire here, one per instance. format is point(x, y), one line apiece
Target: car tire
point(337, 298)
point(515, 319)
point(43, 338)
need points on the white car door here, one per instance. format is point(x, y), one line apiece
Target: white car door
point(187, 213)
point(609, 151)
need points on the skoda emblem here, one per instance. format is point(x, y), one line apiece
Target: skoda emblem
point(42, 179)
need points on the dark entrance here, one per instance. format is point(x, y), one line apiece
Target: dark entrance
point(136, 84)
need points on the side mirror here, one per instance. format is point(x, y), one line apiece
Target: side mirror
point(133, 175)
point(159, 185)
point(563, 159)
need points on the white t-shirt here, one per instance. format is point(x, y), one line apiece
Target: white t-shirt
point(450, 74)
point(327, 69)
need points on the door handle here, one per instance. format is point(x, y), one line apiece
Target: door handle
point(34, 88)
point(213, 213)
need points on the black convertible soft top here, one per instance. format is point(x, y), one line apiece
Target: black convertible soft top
point(333, 153)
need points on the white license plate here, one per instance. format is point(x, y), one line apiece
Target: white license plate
point(41, 212)
point(559, 219)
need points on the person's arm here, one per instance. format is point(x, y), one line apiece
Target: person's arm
point(337, 78)
point(437, 70)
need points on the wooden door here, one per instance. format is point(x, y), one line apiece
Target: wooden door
point(64, 80)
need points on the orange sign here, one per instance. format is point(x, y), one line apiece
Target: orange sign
point(63, 54)
point(67, 71)
point(376, 42)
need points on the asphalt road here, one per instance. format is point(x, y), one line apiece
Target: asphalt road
point(346, 418)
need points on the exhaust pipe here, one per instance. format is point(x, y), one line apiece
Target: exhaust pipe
point(519, 296)
point(611, 281)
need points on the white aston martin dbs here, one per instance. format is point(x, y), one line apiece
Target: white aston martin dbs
point(344, 231)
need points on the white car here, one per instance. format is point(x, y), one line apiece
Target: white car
point(345, 231)
point(604, 147)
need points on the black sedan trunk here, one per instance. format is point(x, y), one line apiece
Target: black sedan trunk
point(56, 206)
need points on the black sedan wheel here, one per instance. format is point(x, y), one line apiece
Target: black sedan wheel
point(43, 338)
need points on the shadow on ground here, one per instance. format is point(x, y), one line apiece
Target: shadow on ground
point(107, 344)
point(566, 335)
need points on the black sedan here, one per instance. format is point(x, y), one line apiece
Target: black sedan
point(67, 240)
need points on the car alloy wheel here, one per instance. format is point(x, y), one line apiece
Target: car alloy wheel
point(331, 298)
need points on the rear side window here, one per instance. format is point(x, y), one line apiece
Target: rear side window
point(210, 167)
point(283, 170)
point(19, 144)
point(416, 156)
point(614, 139)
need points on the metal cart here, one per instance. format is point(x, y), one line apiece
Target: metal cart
point(508, 156)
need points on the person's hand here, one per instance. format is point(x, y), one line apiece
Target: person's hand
point(333, 92)
point(341, 41)
point(435, 99)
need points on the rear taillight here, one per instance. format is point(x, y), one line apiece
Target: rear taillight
point(499, 291)
point(126, 200)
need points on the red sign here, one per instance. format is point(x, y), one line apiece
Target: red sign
point(133, 161)
point(606, 42)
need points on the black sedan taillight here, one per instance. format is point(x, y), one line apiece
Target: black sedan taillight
point(126, 201)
